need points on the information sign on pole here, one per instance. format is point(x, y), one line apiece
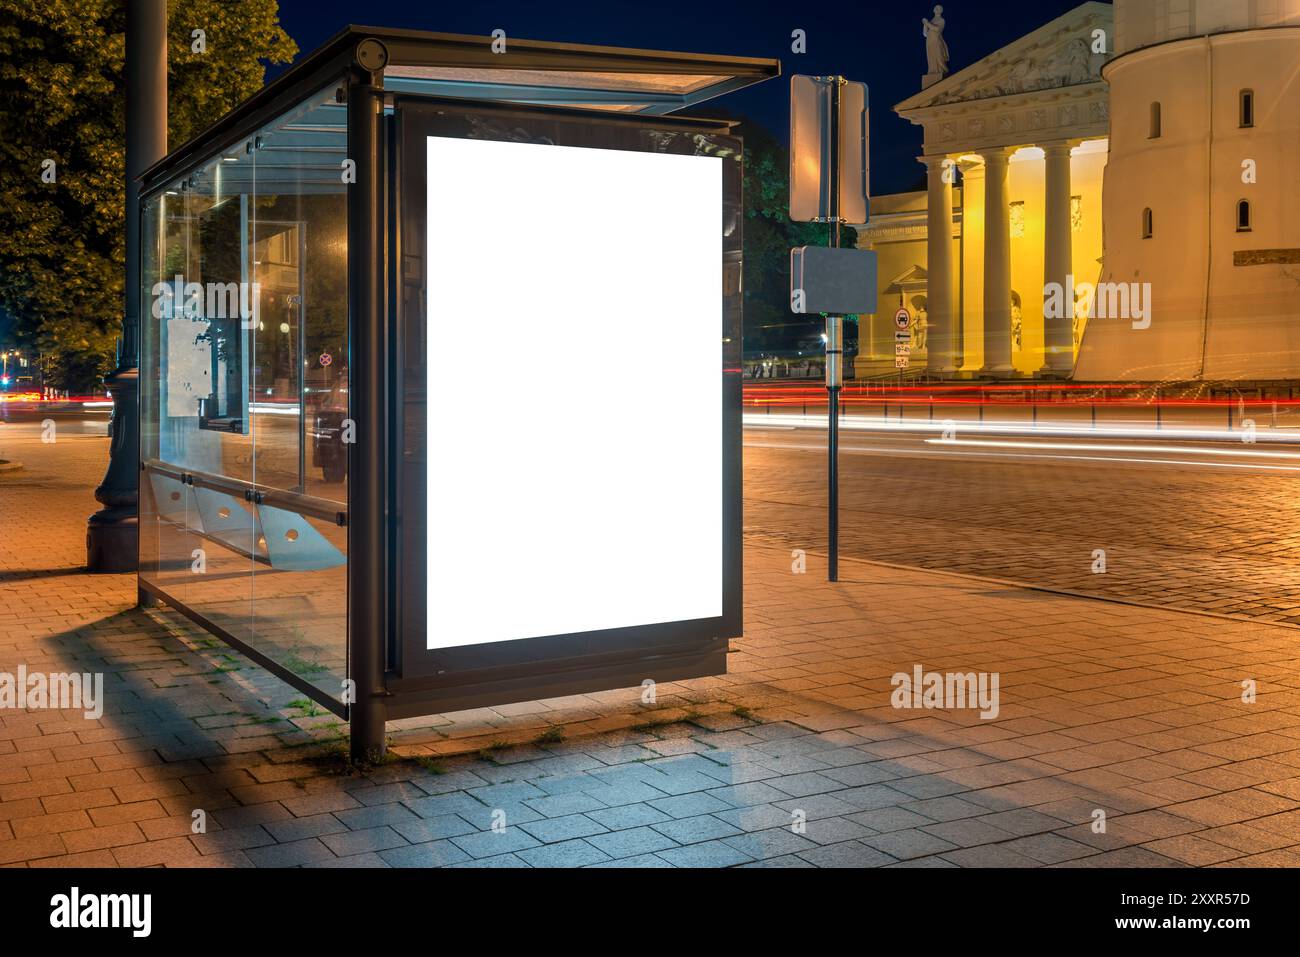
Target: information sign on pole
point(813, 157)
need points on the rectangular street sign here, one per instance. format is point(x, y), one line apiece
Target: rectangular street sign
point(836, 281)
point(902, 348)
point(810, 150)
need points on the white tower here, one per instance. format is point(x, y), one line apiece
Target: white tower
point(1200, 197)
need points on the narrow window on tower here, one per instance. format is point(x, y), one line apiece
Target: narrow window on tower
point(1147, 223)
point(1247, 109)
point(1155, 121)
point(1243, 216)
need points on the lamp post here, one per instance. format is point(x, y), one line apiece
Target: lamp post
point(112, 534)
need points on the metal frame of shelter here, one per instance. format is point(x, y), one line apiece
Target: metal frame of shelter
point(393, 87)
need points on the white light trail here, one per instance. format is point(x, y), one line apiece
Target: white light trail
point(1110, 459)
point(1098, 447)
point(853, 423)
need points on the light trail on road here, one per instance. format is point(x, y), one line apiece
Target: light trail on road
point(1107, 459)
point(1098, 447)
point(994, 427)
point(1038, 451)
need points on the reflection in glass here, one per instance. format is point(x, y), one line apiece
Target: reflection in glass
point(244, 398)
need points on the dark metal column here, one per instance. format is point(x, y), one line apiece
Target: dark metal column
point(112, 534)
point(367, 329)
point(834, 357)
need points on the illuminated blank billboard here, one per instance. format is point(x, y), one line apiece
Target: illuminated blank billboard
point(575, 431)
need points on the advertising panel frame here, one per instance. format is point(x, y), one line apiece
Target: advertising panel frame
point(425, 679)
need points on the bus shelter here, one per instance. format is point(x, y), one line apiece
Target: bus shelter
point(441, 373)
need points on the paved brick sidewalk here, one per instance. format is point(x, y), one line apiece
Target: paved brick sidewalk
point(1133, 711)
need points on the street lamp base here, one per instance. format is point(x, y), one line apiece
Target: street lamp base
point(112, 540)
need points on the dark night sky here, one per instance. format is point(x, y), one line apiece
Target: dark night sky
point(875, 41)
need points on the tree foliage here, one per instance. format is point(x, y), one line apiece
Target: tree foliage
point(62, 243)
point(769, 236)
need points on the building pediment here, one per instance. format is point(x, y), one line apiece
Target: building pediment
point(913, 277)
point(1056, 56)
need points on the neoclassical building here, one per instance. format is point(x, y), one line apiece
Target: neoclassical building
point(1015, 149)
point(1106, 146)
point(1202, 196)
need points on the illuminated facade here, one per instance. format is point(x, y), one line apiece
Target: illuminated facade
point(1186, 111)
point(1015, 150)
point(1200, 191)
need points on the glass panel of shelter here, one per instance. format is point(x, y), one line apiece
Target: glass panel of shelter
point(299, 387)
point(244, 355)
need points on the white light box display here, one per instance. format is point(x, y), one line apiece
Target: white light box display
point(575, 466)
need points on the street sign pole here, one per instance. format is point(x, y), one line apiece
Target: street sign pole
point(829, 163)
point(834, 358)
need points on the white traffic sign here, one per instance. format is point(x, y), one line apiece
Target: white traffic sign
point(811, 123)
point(902, 341)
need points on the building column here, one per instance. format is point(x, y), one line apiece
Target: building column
point(997, 262)
point(942, 171)
point(970, 294)
point(1058, 332)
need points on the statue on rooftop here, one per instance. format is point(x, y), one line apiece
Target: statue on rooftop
point(936, 49)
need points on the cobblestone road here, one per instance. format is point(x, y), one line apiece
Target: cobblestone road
point(1210, 537)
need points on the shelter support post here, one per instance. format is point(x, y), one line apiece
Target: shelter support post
point(367, 514)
